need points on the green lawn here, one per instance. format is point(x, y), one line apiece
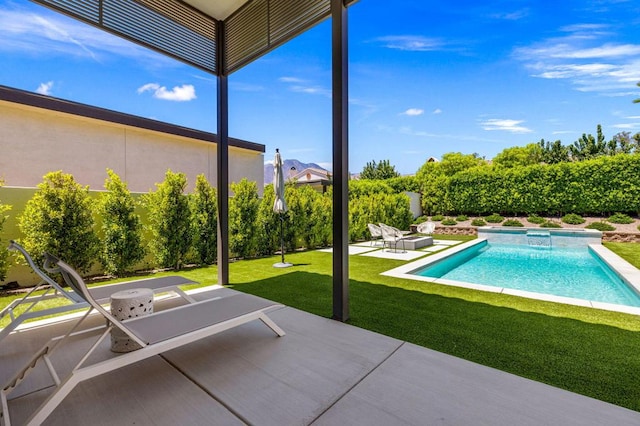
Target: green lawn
point(584, 350)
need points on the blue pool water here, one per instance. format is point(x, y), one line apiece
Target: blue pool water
point(569, 272)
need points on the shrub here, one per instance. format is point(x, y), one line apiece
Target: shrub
point(512, 222)
point(437, 218)
point(420, 219)
point(494, 218)
point(243, 211)
point(58, 219)
point(478, 222)
point(462, 218)
point(550, 224)
point(169, 221)
point(620, 218)
point(534, 218)
point(448, 222)
point(601, 226)
point(204, 221)
point(392, 209)
point(4, 253)
point(121, 227)
point(572, 219)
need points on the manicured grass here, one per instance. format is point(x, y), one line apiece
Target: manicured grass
point(588, 351)
point(629, 251)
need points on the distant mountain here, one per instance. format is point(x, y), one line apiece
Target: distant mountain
point(286, 167)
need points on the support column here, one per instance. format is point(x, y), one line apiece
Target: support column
point(222, 178)
point(340, 98)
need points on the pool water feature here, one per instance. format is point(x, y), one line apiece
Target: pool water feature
point(562, 271)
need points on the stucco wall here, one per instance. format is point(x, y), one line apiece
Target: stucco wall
point(35, 141)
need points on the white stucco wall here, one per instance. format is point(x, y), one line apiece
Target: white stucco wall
point(35, 141)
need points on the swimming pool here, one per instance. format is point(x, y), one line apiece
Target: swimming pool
point(574, 268)
point(574, 272)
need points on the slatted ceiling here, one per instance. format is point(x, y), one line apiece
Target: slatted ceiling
point(246, 34)
point(289, 17)
point(168, 26)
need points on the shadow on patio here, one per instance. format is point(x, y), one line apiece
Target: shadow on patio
point(321, 372)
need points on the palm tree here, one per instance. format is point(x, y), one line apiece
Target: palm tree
point(637, 101)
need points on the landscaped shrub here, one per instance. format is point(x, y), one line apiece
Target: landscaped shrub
point(169, 221)
point(204, 221)
point(243, 211)
point(494, 218)
point(4, 253)
point(536, 219)
point(572, 219)
point(121, 227)
point(620, 218)
point(601, 226)
point(462, 218)
point(512, 222)
point(420, 219)
point(550, 224)
point(448, 222)
point(391, 209)
point(267, 224)
point(478, 222)
point(58, 219)
point(437, 218)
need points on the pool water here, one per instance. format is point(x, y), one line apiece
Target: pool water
point(568, 272)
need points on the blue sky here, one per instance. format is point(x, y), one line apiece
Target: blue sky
point(426, 77)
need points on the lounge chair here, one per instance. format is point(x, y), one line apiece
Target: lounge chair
point(375, 231)
point(426, 227)
point(55, 290)
point(392, 236)
point(155, 333)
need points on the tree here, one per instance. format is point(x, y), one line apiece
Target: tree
point(169, 221)
point(637, 101)
point(204, 221)
point(4, 253)
point(381, 170)
point(519, 156)
point(58, 219)
point(588, 147)
point(121, 243)
point(554, 153)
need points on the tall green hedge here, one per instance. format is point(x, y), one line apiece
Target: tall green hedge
point(4, 253)
point(594, 187)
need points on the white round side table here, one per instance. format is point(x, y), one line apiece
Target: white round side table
point(129, 304)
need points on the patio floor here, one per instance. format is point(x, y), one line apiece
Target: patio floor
point(322, 372)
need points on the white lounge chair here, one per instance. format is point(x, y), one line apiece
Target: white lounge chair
point(55, 290)
point(392, 236)
point(155, 333)
point(375, 231)
point(426, 227)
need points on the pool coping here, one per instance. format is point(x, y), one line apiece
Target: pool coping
point(626, 271)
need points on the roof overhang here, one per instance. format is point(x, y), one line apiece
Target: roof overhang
point(218, 36)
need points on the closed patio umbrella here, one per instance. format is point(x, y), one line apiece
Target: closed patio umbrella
point(280, 205)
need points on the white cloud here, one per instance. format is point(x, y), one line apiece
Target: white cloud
point(300, 85)
point(437, 111)
point(183, 93)
point(291, 80)
point(413, 112)
point(46, 33)
point(585, 58)
point(512, 126)
point(627, 126)
point(45, 88)
point(511, 16)
point(412, 43)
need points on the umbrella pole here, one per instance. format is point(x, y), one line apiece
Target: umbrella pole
point(281, 239)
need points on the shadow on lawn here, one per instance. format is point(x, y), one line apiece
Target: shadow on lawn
point(591, 359)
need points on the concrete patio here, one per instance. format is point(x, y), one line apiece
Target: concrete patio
point(323, 372)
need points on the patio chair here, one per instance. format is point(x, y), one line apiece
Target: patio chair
point(375, 231)
point(54, 290)
point(426, 227)
point(156, 333)
point(392, 236)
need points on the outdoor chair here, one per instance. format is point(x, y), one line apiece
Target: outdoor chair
point(392, 236)
point(375, 231)
point(155, 334)
point(426, 227)
point(54, 290)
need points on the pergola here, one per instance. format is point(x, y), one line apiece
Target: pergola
point(220, 37)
